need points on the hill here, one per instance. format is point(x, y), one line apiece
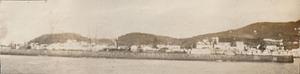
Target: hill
point(272, 30)
point(137, 38)
point(253, 32)
point(63, 37)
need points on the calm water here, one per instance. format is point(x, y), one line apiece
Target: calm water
point(64, 65)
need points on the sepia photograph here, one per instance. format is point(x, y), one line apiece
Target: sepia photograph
point(149, 36)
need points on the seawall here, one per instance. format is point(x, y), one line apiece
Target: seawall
point(159, 56)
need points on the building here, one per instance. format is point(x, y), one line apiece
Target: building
point(69, 45)
point(200, 51)
point(143, 48)
point(157, 48)
point(240, 45)
point(168, 46)
point(203, 44)
point(171, 48)
point(272, 44)
point(223, 45)
point(216, 43)
point(4, 47)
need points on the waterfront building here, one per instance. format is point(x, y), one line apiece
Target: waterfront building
point(135, 48)
point(151, 48)
point(223, 45)
point(200, 51)
point(38, 46)
point(4, 47)
point(69, 45)
point(148, 48)
point(272, 44)
point(203, 44)
point(98, 47)
point(14, 45)
point(143, 48)
point(240, 45)
point(168, 46)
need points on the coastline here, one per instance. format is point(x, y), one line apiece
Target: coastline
point(158, 56)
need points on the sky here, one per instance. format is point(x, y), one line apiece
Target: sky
point(21, 21)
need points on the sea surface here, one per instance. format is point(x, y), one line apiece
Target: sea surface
point(11, 64)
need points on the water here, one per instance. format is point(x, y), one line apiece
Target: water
point(66, 65)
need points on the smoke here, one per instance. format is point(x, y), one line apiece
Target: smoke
point(3, 31)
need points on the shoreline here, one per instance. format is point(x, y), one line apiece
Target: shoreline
point(154, 56)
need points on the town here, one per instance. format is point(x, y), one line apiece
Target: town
point(255, 42)
point(214, 45)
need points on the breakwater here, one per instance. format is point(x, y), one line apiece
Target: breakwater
point(160, 56)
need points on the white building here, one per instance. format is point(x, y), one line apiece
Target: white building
point(168, 46)
point(201, 51)
point(135, 48)
point(272, 44)
point(4, 47)
point(144, 48)
point(239, 45)
point(223, 45)
point(204, 44)
point(215, 43)
point(272, 47)
point(69, 45)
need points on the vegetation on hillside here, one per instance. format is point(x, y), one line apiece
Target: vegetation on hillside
point(63, 37)
point(252, 33)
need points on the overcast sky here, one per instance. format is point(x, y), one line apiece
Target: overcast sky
point(111, 18)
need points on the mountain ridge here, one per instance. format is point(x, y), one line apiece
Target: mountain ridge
point(63, 37)
point(254, 31)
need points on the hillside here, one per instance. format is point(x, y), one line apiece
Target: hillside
point(255, 31)
point(145, 39)
point(273, 30)
point(63, 37)
point(252, 33)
